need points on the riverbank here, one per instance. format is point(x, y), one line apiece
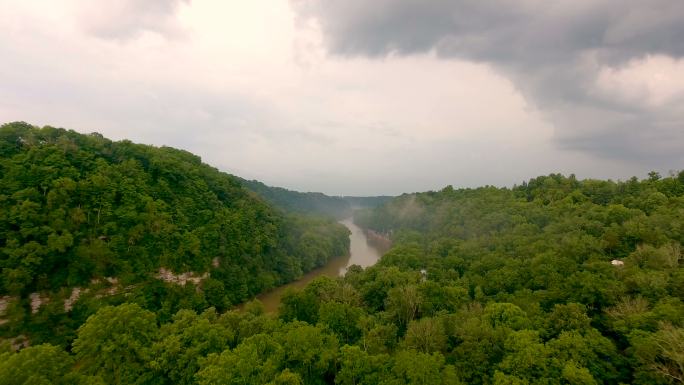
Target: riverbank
point(365, 249)
point(378, 240)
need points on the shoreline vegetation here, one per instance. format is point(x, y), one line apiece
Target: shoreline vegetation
point(383, 241)
point(484, 285)
point(336, 267)
point(121, 222)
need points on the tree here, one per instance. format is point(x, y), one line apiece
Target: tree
point(415, 368)
point(255, 361)
point(654, 176)
point(588, 350)
point(355, 365)
point(286, 377)
point(299, 305)
point(115, 344)
point(661, 353)
point(566, 317)
point(403, 303)
point(505, 315)
point(575, 375)
point(342, 319)
point(309, 352)
point(185, 341)
point(527, 358)
point(377, 337)
point(41, 364)
point(426, 335)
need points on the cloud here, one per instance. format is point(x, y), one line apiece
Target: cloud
point(252, 87)
point(128, 19)
point(586, 65)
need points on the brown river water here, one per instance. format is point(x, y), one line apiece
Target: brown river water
point(362, 252)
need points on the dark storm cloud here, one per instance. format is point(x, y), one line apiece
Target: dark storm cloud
point(554, 52)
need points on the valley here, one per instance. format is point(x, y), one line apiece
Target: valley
point(363, 252)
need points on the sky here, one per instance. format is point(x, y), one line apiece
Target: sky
point(357, 97)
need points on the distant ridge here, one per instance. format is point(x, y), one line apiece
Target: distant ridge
point(338, 207)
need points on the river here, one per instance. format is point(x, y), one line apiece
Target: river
point(362, 252)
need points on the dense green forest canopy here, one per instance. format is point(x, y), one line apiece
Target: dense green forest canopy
point(109, 219)
point(555, 281)
point(301, 202)
point(339, 207)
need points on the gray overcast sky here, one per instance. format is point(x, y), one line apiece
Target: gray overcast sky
point(361, 97)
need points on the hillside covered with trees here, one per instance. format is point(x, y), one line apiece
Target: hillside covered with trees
point(555, 281)
point(338, 207)
point(86, 222)
point(301, 202)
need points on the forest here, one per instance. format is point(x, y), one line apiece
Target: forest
point(299, 202)
point(339, 207)
point(553, 281)
point(86, 222)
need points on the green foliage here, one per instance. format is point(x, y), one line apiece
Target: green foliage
point(482, 286)
point(342, 319)
point(298, 202)
point(524, 280)
point(185, 341)
point(411, 367)
point(309, 352)
point(115, 344)
point(255, 361)
point(338, 207)
point(299, 306)
point(42, 364)
point(426, 335)
point(78, 208)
